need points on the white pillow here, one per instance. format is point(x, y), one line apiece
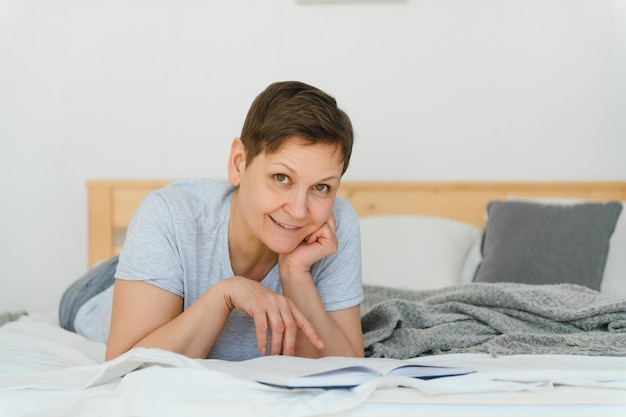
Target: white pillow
point(474, 258)
point(414, 252)
point(614, 276)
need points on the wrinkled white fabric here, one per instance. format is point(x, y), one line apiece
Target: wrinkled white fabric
point(47, 371)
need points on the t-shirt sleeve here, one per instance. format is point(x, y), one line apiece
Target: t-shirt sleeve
point(338, 277)
point(150, 252)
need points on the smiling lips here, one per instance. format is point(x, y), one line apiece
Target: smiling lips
point(284, 226)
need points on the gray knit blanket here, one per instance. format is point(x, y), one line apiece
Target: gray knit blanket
point(495, 318)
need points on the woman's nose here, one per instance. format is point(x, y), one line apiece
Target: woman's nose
point(296, 205)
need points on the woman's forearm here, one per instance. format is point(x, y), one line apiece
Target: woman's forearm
point(299, 287)
point(191, 333)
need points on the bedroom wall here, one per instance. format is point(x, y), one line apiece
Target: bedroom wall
point(437, 90)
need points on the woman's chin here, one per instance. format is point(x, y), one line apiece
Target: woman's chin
point(283, 247)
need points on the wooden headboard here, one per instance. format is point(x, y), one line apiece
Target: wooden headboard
point(112, 203)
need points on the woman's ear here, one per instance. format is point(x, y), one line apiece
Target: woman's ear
point(236, 161)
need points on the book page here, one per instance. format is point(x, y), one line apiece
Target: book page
point(296, 372)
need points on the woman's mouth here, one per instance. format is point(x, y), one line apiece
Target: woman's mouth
point(283, 225)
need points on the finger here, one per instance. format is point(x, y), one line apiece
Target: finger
point(260, 324)
point(307, 328)
point(319, 233)
point(277, 329)
point(327, 229)
point(290, 335)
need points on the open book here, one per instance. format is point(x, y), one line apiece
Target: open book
point(330, 372)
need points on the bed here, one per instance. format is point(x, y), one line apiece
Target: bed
point(454, 237)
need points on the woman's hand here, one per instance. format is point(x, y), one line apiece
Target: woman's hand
point(320, 244)
point(342, 328)
point(271, 312)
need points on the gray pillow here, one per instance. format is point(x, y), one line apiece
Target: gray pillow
point(547, 244)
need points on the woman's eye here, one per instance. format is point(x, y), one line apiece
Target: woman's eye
point(321, 187)
point(282, 178)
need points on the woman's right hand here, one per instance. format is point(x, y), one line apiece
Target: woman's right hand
point(272, 313)
point(148, 316)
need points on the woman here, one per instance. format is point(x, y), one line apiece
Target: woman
point(267, 262)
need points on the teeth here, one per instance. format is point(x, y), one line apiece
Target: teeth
point(287, 226)
point(284, 226)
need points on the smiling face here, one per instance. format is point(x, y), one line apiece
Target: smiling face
point(284, 196)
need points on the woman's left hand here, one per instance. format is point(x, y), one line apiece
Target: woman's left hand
point(318, 245)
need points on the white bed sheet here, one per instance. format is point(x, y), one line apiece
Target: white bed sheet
point(47, 371)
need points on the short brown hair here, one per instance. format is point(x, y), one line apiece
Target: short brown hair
point(292, 108)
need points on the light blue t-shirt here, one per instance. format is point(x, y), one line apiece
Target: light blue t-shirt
point(178, 241)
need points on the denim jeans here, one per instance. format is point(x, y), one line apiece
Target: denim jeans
point(93, 282)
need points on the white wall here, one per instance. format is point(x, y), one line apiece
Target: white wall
point(437, 90)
